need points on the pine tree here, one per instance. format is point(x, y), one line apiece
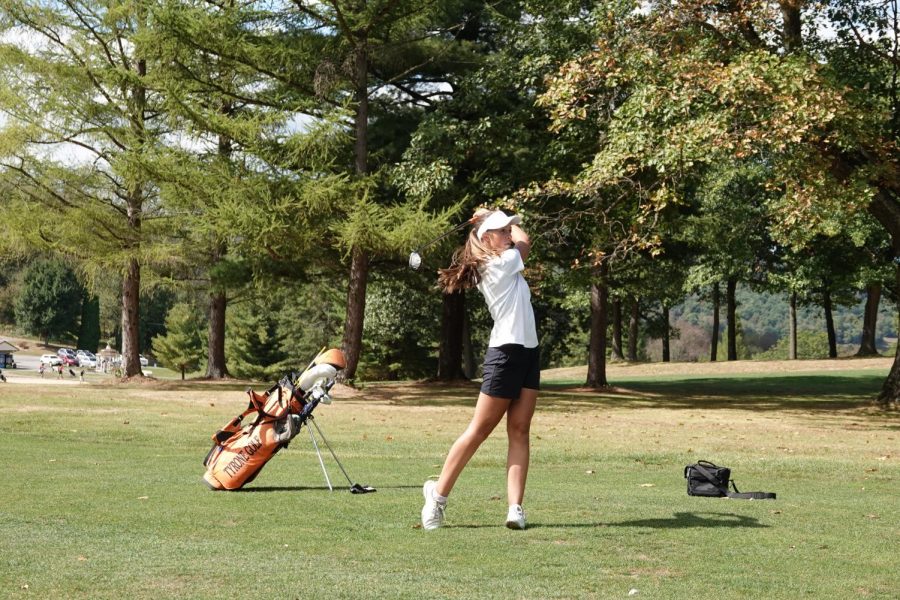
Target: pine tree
point(182, 345)
point(50, 301)
point(79, 88)
point(255, 345)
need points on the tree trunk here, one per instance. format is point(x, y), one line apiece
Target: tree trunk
point(633, 318)
point(731, 315)
point(829, 323)
point(216, 367)
point(451, 344)
point(792, 327)
point(666, 356)
point(714, 342)
point(356, 310)
point(359, 265)
point(617, 330)
point(131, 285)
point(886, 211)
point(596, 376)
point(870, 319)
point(215, 363)
point(182, 372)
point(792, 30)
point(468, 353)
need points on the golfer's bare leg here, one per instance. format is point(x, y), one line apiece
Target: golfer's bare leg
point(518, 428)
point(488, 412)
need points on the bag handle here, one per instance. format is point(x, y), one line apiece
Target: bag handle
point(736, 495)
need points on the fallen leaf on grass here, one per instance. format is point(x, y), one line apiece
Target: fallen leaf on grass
point(82, 558)
point(495, 497)
point(24, 586)
point(885, 457)
point(590, 472)
point(648, 485)
point(143, 497)
point(417, 526)
point(775, 512)
point(389, 438)
point(872, 516)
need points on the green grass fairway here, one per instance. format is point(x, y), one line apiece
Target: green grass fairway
point(103, 499)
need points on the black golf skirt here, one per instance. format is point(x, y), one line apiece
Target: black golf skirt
point(509, 368)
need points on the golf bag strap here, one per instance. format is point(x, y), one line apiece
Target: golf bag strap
point(737, 494)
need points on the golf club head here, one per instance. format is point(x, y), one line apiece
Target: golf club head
point(415, 261)
point(361, 489)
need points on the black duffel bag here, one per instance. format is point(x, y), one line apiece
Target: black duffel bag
point(706, 479)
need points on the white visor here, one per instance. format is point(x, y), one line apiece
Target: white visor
point(497, 220)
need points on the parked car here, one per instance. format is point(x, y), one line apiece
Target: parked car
point(68, 357)
point(51, 359)
point(87, 359)
point(144, 361)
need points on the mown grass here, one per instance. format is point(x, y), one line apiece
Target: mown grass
point(103, 496)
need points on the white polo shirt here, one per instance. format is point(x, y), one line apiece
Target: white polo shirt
point(509, 300)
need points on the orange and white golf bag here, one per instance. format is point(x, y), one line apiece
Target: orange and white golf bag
point(240, 450)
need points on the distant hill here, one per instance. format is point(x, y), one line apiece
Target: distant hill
point(763, 321)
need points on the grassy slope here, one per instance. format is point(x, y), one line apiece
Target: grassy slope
point(103, 498)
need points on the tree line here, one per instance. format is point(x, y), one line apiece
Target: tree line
point(241, 152)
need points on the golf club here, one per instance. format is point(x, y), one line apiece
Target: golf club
point(415, 260)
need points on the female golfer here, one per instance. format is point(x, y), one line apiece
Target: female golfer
point(493, 260)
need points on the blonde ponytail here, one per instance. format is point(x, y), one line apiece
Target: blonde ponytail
point(464, 270)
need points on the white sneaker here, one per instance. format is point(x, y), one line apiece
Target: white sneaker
point(433, 511)
point(515, 518)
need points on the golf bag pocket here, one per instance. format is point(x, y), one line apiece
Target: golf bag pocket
point(706, 479)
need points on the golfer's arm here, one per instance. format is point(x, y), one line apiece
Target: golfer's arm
point(521, 241)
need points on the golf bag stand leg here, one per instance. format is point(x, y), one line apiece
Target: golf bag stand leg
point(355, 488)
point(319, 454)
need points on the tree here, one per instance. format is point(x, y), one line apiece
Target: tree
point(255, 346)
point(260, 187)
point(711, 84)
point(80, 84)
point(50, 301)
point(182, 345)
point(484, 139)
point(89, 328)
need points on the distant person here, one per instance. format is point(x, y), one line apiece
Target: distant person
point(81, 379)
point(493, 260)
point(41, 370)
point(60, 371)
point(2, 377)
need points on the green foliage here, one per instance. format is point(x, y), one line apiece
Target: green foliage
point(311, 316)
point(401, 330)
point(810, 344)
point(181, 347)
point(49, 304)
point(155, 305)
point(89, 330)
point(254, 348)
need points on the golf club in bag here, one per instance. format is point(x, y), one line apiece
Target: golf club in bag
point(415, 259)
point(240, 451)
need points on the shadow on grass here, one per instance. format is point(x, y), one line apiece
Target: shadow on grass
point(687, 520)
point(320, 488)
point(826, 392)
point(680, 520)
